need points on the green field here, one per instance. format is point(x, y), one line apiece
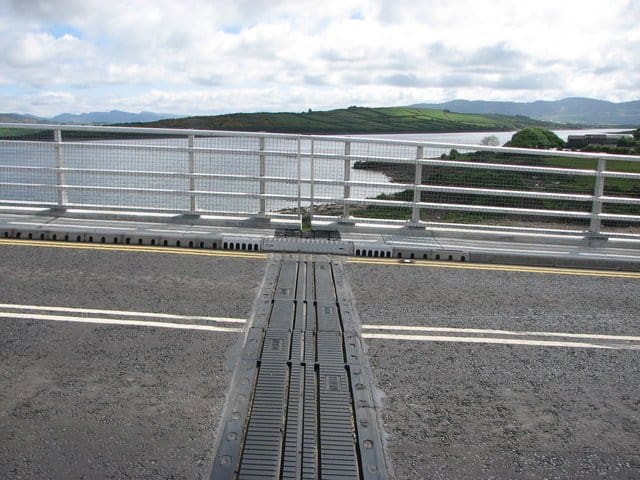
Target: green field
point(14, 132)
point(355, 120)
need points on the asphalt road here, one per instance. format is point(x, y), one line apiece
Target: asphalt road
point(460, 410)
point(82, 400)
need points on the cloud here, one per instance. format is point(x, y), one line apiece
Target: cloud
point(45, 10)
point(498, 56)
point(33, 49)
point(403, 80)
point(213, 56)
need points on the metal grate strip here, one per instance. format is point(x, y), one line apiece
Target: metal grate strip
point(311, 414)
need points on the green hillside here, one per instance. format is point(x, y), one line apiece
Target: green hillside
point(355, 120)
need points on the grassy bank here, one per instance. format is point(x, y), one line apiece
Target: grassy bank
point(354, 120)
point(508, 180)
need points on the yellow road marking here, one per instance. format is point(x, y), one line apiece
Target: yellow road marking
point(500, 268)
point(134, 248)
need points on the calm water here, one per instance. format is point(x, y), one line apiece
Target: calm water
point(475, 138)
point(166, 169)
point(283, 169)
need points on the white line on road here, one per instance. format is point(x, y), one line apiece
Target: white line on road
point(491, 340)
point(631, 256)
point(592, 336)
point(9, 306)
point(117, 321)
point(60, 225)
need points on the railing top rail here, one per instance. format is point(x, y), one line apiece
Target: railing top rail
point(483, 148)
point(146, 130)
point(334, 138)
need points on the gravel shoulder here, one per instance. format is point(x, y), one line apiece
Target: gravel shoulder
point(476, 411)
point(101, 401)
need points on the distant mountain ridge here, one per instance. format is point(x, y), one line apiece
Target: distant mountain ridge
point(577, 110)
point(100, 118)
point(114, 116)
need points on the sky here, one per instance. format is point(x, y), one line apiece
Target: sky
point(199, 57)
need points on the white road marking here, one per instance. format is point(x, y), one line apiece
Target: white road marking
point(514, 250)
point(60, 225)
point(500, 341)
point(407, 328)
point(629, 256)
point(39, 224)
point(9, 306)
point(117, 321)
point(157, 230)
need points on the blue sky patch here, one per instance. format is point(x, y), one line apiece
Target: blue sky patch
point(232, 29)
point(59, 30)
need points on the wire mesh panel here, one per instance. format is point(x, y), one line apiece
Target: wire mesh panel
point(27, 166)
point(385, 174)
point(137, 169)
point(227, 171)
point(282, 166)
point(326, 169)
point(497, 188)
point(438, 184)
point(620, 197)
point(125, 172)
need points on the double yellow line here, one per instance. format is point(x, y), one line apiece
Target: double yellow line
point(134, 248)
point(499, 268)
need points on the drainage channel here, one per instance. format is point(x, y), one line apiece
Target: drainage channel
point(302, 404)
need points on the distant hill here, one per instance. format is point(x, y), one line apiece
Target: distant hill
point(95, 118)
point(355, 120)
point(585, 111)
point(19, 118)
point(112, 117)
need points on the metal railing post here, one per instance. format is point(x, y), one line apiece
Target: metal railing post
point(312, 167)
point(192, 179)
point(417, 181)
point(298, 159)
point(60, 180)
point(263, 170)
point(596, 205)
point(347, 178)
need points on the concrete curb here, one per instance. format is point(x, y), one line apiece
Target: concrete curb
point(427, 247)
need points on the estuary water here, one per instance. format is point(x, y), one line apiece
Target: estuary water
point(475, 138)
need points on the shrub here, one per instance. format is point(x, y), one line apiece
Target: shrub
point(490, 140)
point(535, 137)
point(626, 142)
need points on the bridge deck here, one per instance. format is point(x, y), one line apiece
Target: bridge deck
point(118, 362)
point(481, 246)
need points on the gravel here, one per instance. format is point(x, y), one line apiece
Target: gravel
point(469, 411)
point(87, 401)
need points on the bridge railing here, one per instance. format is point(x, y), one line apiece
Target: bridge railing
point(338, 179)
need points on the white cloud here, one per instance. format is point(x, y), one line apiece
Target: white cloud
point(40, 49)
point(202, 56)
